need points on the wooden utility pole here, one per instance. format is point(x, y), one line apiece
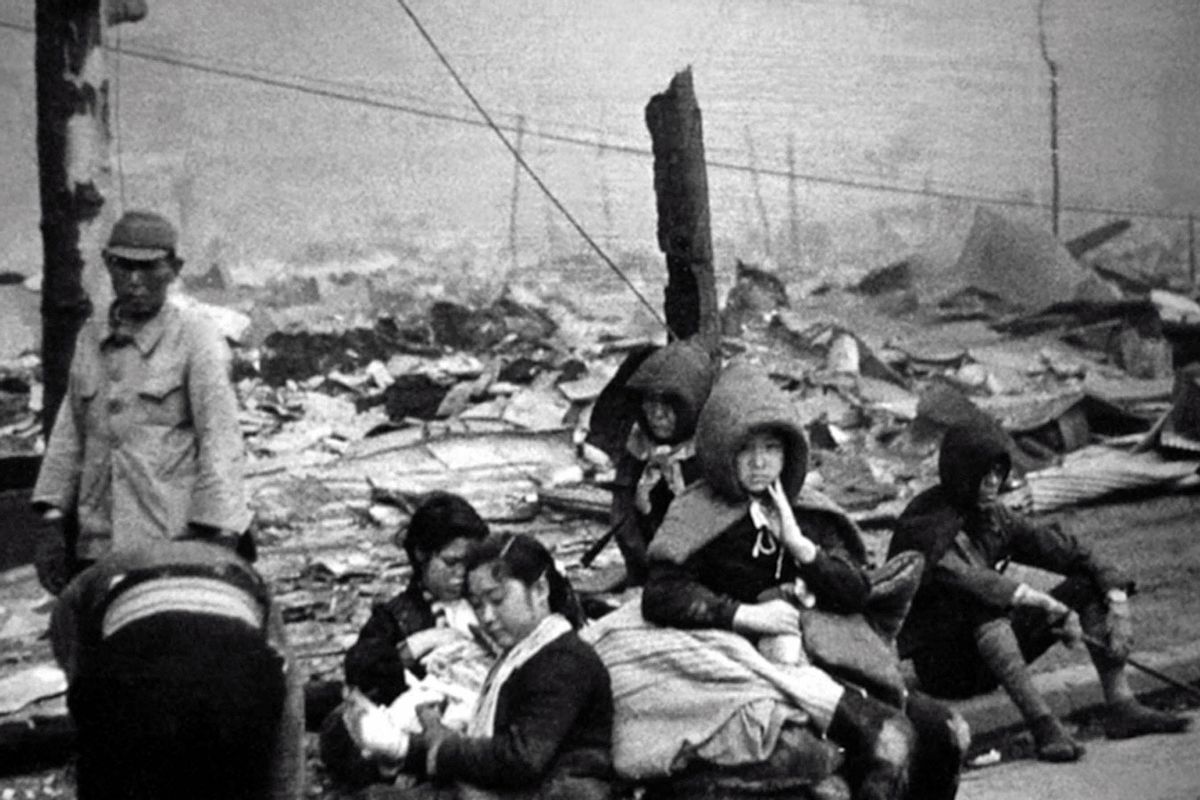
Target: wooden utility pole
point(681, 190)
point(1052, 69)
point(73, 171)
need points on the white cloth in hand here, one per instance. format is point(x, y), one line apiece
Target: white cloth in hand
point(372, 728)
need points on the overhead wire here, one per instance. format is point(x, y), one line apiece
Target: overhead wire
point(298, 84)
point(530, 171)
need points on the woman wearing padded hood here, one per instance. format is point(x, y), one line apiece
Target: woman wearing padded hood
point(747, 529)
point(972, 627)
point(667, 391)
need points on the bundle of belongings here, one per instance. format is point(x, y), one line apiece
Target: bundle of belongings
point(688, 701)
point(455, 671)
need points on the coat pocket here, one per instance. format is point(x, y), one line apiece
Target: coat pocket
point(162, 399)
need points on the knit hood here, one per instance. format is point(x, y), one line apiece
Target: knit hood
point(745, 399)
point(682, 374)
point(968, 453)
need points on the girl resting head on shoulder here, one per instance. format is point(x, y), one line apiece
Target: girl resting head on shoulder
point(543, 723)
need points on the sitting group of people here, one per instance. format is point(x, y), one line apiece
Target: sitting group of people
point(762, 653)
point(760, 657)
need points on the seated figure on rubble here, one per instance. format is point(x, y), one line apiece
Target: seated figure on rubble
point(666, 393)
point(748, 549)
point(180, 682)
point(427, 635)
point(542, 726)
point(973, 627)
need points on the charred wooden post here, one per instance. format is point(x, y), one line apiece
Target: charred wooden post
point(73, 174)
point(681, 191)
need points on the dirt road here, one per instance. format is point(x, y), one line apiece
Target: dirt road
point(1150, 768)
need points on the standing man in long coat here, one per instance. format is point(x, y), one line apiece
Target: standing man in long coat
point(146, 445)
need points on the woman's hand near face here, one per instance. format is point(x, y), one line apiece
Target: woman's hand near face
point(771, 617)
point(800, 546)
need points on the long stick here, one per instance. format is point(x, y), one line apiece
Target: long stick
point(595, 547)
point(1191, 690)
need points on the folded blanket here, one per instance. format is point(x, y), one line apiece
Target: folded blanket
point(704, 694)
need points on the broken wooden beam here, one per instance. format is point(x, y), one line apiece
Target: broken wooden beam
point(1096, 237)
point(684, 229)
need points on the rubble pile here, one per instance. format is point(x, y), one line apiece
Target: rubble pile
point(347, 428)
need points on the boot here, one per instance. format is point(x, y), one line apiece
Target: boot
point(1053, 742)
point(879, 739)
point(1129, 718)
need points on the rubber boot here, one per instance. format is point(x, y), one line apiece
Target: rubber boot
point(879, 742)
point(943, 739)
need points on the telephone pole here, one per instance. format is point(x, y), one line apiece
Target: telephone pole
point(73, 174)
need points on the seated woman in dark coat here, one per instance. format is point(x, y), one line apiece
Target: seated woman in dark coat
point(543, 725)
point(666, 392)
point(746, 531)
point(972, 627)
point(409, 626)
point(404, 628)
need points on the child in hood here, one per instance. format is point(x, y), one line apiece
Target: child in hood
point(749, 530)
point(973, 627)
point(667, 392)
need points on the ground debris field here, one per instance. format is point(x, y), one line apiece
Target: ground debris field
point(348, 426)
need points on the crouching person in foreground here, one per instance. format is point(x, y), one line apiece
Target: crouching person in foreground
point(972, 627)
point(543, 725)
point(747, 550)
point(180, 682)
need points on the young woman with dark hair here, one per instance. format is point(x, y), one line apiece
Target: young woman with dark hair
point(543, 725)
point(402, 632)
point(525, 559)
point(393, 638)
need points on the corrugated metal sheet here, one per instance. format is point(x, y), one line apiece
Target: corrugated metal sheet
point(1097, 471)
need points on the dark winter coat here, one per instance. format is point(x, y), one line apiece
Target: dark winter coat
point(553, 730)
point(373, 663)
point(702, 565)
point(968, 548)
point(140, 625)
point(682, 374)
